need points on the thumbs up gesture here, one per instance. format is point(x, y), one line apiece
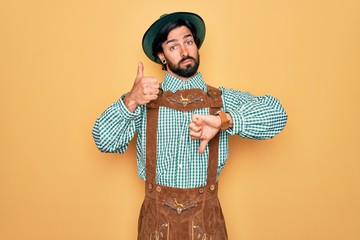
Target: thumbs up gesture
point(143, 91)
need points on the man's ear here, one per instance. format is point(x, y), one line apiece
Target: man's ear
point(161, 56)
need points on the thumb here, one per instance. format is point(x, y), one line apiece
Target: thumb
point(202, 146)
point(140, 71)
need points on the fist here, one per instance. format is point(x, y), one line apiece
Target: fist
point(204, 128)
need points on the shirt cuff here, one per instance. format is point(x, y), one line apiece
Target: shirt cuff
point(237, 121)
point(124, 111)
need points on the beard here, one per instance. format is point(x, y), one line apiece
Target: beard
point(189, 69)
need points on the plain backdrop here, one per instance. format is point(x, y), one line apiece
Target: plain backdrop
point(62, 63)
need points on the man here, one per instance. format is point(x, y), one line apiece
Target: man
point(183, 127)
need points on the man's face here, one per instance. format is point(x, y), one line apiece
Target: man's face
point(181, 53)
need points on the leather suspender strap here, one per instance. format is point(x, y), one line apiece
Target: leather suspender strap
point(151, 140)
point(215, 105)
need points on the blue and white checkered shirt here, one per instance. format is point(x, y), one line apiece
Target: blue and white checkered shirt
point(179, 163)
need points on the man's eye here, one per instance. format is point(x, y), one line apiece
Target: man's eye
point(190, 42)
point(172, 48)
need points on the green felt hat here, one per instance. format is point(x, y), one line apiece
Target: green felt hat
point(153, 30)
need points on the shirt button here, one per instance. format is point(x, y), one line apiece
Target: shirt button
point(201, 190)
point(212, 187)
point(158, 188)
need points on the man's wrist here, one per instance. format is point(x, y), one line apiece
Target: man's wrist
point(225, 121)
point(129, 103)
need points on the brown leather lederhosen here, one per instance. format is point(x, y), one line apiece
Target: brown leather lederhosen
point(177, 213)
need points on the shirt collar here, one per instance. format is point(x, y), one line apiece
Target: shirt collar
point(173, 83)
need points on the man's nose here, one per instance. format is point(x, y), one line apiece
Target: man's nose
point(183, 51)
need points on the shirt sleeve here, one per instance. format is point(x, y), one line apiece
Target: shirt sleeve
point(255, 117)
point(114, 129)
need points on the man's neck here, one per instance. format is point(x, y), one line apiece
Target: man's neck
point(180, 77)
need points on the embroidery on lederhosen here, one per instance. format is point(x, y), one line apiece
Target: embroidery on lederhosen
point(179, 99)
point(179, 207)
point(198, 234)
point(161, 233)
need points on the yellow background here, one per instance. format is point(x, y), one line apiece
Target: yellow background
point(63, 62)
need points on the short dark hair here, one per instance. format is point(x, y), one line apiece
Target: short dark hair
point(162, 35)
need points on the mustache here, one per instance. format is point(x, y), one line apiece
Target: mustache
point(187, 58)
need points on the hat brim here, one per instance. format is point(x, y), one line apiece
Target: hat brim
point(153, 30)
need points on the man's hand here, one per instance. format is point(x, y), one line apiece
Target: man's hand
point(204, 128)
point(143, 91)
